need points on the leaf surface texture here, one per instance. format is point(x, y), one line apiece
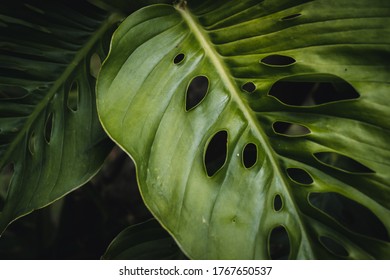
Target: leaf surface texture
point(288, 135)
point(51, 141)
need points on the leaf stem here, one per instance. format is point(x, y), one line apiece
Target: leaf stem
point(181, 4)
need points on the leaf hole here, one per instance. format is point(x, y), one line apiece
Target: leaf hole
point(249, 87)
point(325, 90)
point(300, 176)
point(290, 129)
point(343, 163)
point(278, 203)
point(179, 58)
point(12, 92)
point(216, 153)
point(277, 60)
point(49, 128)
point(250, 155)
point(73, 96)
point(290, 17)
point(333, 246)
point(292, 93)
point(279, 244)
point(95, 63)
point(32, 142)
point(350, 214)
point(196, 92)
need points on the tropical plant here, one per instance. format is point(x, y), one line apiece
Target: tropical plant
point(258, 127)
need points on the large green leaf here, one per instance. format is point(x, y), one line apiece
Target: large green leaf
point(145, 241)
point(311, 177)
point(51, 141)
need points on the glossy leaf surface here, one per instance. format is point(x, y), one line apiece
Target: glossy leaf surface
point(51, 141)
point(303, 83)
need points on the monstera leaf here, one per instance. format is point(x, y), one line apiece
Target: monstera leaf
point(146, 241)
point(257, 124)
point(51, 141)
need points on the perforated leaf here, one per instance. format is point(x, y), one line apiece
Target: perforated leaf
point(282, 150)
point(51, 141)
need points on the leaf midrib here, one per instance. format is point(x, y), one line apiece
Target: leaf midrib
point(225, 76)
point(80, 55)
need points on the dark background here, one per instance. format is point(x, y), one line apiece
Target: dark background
point(82, 224)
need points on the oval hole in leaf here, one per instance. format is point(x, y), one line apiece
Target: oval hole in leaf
point(250, 155)
point(351, 214)
point(278, 60)
point(5, 180)
point(216, 153)
point(333, 246)
point(342, 163)
point(249, 87)
point(290, 129)
point(279, 244)
point(327, 92)
point(299, 175)
point(32, 142)
point(290, 17)
point(178, 58)
point(49, 127)
point(196, 91)
point(12, 92)
point(278, 203)
point(95, 64)
point(43, 87)
point(313, 90)
point(73, 97)
point(292, 93)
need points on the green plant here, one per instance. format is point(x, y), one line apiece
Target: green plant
point(258, 128)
